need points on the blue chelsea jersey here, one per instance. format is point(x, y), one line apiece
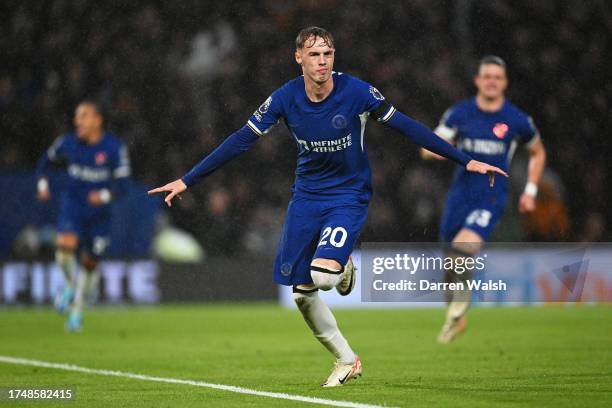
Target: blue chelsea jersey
point(490, 137)
point(332, 156)
point(89, 167)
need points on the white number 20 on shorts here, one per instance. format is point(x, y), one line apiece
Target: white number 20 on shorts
point(337, 236)
point(479, 217)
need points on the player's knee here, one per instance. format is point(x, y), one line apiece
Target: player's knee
point(325, 273)
point(462, 266)
point(324, 280)
point(66, 242)
point(88, 262)
point(64, 258)
point(467, 242)
point(303, 295)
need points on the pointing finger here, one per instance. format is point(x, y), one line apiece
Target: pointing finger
point(500, 171)
point(156, 190)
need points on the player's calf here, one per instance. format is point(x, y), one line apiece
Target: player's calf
point(462, 249)
point(458, 299)
point(322, 322)
point(85, 285)
point(65, 256)
point(66, 259)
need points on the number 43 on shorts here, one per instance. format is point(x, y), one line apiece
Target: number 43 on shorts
point(337, 236)
point(479, 217)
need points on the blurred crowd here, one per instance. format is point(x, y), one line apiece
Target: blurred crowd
point(176, 78)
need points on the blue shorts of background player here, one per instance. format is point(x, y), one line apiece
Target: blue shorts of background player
point(478, 213)
point(92, 225)
point(316, 229)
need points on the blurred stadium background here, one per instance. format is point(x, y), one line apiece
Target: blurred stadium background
point(176, 77)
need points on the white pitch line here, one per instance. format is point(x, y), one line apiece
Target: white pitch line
point(230, 388)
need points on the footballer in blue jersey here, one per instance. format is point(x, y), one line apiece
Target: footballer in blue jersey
point(326, 113)
point(489, 128)
point(98, 167)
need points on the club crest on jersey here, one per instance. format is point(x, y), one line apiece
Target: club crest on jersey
point(286, 269)
point(376, 94)
point(100, 158)
point(339, 122)
point(262, 109)
point(500, 130)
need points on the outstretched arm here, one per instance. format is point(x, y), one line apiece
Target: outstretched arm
point(51, 155)
point(537, 160)
point(427, 155)
point(122, 172)
point(447, 130)
point(42, 181)
point(422, 136)
point(237, 143)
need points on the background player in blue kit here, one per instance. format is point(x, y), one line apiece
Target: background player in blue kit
point(98, 167)
point(326, 113)
point(487, 127)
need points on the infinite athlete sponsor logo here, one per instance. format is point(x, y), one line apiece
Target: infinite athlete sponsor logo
point(482, 146)
point(90, 174)
point(38, 282)
point(500, 130)
point(326, 146)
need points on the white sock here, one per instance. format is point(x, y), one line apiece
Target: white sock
point(86, 282)
point(92, 284)
point(67, 262)
point(323, 325)
point(459, 301)
point(458, 307)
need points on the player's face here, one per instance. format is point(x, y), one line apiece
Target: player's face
point(316, 59)
point(87, 121)
point(491, 81)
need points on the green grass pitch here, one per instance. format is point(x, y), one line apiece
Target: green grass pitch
point(514, 357)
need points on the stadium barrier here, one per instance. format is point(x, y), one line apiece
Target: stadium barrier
point(145, 281)
point(409, 275)
point(533, 274)
point(132, 224)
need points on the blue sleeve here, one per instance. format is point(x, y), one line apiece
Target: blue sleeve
point(267, 115)
point(374, 102)
point(424, 137)
point(237, 143)
point(52, 155)
point(121, 172)
point(527, 130)
point(449, 123)
point(450, 118)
